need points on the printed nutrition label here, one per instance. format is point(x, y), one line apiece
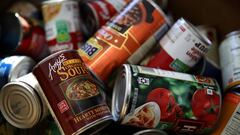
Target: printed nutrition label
point(232, 127)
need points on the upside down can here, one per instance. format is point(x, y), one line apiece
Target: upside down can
point(21, 102)
point(62, 24)
point(165, 100)
point(122, 36)
point(75, 100)
point(229, 53)
point(182, 47)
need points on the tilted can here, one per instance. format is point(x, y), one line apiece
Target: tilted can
point(21, 37)
point(21, 102)
point(95, 14)
point(229, 118)
point(74, 98)
point(166, 100)
point(182, 47)
point(229, 53)
point(62, 24)
point(122, 36)
point(14, 67)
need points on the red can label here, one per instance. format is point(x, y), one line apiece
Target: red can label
point(62, 25)
point(74, 97)
point(121, 37)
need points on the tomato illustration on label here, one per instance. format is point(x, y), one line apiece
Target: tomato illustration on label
point(166, 101)
point(206, 105)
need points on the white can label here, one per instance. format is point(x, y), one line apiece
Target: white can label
point(232, 127)
point(182, 44)
point(229, 52)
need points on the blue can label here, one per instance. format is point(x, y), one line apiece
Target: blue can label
point(4, 72)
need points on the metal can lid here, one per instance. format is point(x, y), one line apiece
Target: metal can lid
point(121, 93)
point(150, 132)
point(20, 105)
point(195, 31)
point(56, 1)
point(20, 67)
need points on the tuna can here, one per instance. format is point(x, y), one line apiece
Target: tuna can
point(21, 102)
point(182, 47)
point(14, 67)
point(74, 98)
point(229, 118)
point(229, 53)
point(62, 24)
point(95, 14)
point(150, 132)
point(120, 37)
point(166, 100)
point(20, 37)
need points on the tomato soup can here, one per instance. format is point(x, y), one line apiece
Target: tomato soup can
point(120, 37)
point(14, 67)
point(166, 100)
point(95, 14)
point(229, 118)
point(150, 132)
point(74, 98)
point(182, 47)
point(19, 36)
point(229, 53)
point(22, 104)
point(62, 24)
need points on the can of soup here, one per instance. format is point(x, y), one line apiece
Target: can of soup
point(229, 53)
point(229, 118)
point(120, 37)
point(62, 24)
point(75, 100)
point(14, 67)
point(26, 39)
point(165, 100)
point(95, 14)
point(182, 47)
point(22, 104)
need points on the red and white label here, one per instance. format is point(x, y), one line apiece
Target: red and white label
point(63, 106)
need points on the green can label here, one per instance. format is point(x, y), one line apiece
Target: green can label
point(172, 101)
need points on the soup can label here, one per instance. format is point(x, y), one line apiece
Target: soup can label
point(229, 53)
point(121, 36)
point(62, 25)
point(182, 47)
point(167, 100)
point(75, 100)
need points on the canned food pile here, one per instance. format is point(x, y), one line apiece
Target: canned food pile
point(107, 66)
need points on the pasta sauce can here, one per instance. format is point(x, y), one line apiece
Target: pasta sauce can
point(182, 47)
point(166, 100)
point(62, 24)
point(74, 98)
point(121, 36)
point(229, 53)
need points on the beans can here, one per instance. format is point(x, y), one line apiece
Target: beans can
point(22, 104)
point(229, 53)
point(166, 100)
point(120, 37)
point(229, 118)
point(62, 24)
point(95, 14)
point(14, 67)
point(182, 47)
point(26, 39)
point(74, 98)
point(150, 132)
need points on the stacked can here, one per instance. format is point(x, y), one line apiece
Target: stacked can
point(115, 42)
point(181, 48)
point(74, 98)
point(21, 37)
point(62, 24)
point(166, 100)
point(21, 102)
point(95, 14)
point(229, 53)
